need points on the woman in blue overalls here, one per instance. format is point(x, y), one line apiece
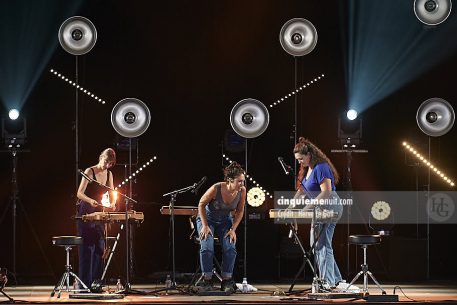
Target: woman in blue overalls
point(317, 179)
point(90, 196)
point(215, 217)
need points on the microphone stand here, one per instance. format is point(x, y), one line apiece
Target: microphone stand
point(173, 195)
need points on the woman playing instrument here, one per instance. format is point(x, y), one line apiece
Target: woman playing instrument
point(90, 197)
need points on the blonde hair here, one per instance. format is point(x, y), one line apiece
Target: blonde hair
point(109, 154)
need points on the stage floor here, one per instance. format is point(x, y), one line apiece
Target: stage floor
point(429, 292)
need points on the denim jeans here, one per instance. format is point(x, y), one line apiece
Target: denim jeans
point(219, 228)
point(323, 254)
point(323, 251)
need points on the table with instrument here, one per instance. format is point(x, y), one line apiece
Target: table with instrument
point(180, 210)
point(113, 216)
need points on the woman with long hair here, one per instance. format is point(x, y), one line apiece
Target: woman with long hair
point(316, 180)
point(90, 197)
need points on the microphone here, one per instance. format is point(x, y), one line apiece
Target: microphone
point(85, 176)
point(287, 169)
point(198, 185)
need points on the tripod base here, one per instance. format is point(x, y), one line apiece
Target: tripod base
point(365, 241)
point(10, 299)
point(65, 280)
point(127, 289)
point(173, 287)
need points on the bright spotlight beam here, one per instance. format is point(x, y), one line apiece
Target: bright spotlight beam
point(28, 42)
point(385, 48)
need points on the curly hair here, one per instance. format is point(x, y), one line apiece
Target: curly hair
point(305, 147)
point(232, 171)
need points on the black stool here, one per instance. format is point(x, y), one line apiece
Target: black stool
point(365, 241)
point(68, 242)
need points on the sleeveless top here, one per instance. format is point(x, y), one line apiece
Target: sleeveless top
point(217, 209)
point(94, 191)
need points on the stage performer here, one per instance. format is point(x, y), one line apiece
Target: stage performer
point(90, 196)
point(316, 180)
point(215, 217)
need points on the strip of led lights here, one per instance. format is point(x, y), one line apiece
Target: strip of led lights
point(137, 172)
point(282, 99)
point(77, 86)
point(428, 163)
point(250, 179)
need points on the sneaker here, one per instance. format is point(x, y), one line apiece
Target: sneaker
point(344, 287)
point(228, 286)
point(324, 286)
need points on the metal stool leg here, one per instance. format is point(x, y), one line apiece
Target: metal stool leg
point(365, 273)
point(376, 282)
point(65, 279)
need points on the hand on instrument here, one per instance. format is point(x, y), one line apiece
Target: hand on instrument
point(205, 231)
point(232, 235)
point(94, 203)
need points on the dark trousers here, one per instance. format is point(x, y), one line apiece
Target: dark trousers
point(90, 252)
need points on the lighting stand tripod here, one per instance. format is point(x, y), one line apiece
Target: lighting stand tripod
point(14, 200)
point(171, 206)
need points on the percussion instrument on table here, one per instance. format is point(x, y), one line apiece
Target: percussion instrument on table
point(113, 216)
point(180, 210)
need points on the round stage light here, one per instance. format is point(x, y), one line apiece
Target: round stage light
point(256, 197)
point(351, 114)
point(380, 210)
point(13, 114)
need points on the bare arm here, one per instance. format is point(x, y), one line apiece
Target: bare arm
point(82, 189)
point(239, 212)
point(110, 184)
point(206, 198)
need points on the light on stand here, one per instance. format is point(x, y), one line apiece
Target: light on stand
point(351, 114)
point(350, 130)
point(14, 131)
point(13, 114)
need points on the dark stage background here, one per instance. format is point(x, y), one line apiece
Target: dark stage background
point(190, 62)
